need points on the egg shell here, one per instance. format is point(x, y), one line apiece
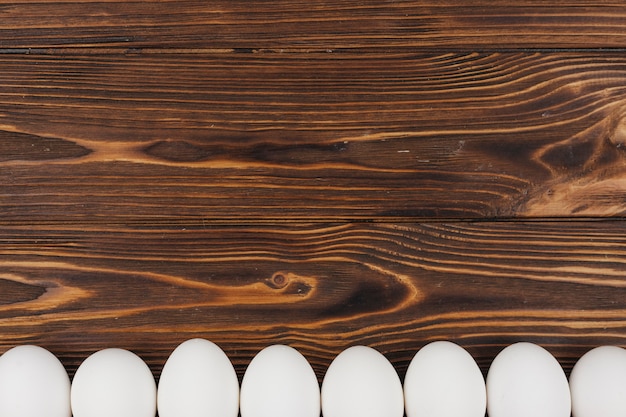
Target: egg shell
point(113, 382)
point(361, 382)
point(33, 383)
point(198, 380)
point(279, 382)
point(598, 383)
point(526, 380)
point(443, 380)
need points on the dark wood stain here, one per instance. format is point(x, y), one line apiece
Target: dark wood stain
point(359, 137)
point(320, 174)
point(321, 25)
point(318, 287)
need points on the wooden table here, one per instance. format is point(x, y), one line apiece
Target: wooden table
point(314, 173)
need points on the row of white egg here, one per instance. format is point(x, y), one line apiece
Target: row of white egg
point(198, 379)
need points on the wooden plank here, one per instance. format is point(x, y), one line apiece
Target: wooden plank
point(326, 137)
point(312, 25)
point(317, 287)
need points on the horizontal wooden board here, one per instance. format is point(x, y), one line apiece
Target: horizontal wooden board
point(312, 25)
point(320, 288)
point(221, 137)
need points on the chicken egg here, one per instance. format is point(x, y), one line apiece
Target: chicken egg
point(361, 382)
point(198, 380)
point(113, 382)
point(598, 383)
point(443, 380)
point(33, 383)
point(279, 382)
point(526, 380)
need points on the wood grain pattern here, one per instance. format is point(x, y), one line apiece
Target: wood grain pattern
point(304, 26)
point(328, 137)
point(318, 287)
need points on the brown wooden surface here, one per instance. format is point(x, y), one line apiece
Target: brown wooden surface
point(313, 25)
point(320, 174)
point(321, 136)
point(318, 287)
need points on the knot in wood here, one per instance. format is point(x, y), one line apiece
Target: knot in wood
point(618, 136)
point(278, 281)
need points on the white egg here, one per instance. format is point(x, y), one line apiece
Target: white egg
point(113, 382)
point(361, 382)
point(526, 380)
point(598, 383)
point(198, 380)
point(443, 380)
point(33, 383)
point(279, 382)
